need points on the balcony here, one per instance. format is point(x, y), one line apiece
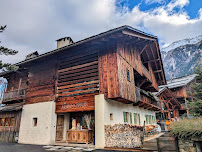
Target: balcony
point(146, 100)
point(183, 106)
point(148, 73)
point(15, 95)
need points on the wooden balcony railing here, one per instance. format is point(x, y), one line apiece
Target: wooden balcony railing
point(146, 72)
point(150, 75)
point(14, 95)
point(183, 106)
point(144, 97)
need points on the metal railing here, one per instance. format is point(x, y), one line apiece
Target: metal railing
point(14, 95)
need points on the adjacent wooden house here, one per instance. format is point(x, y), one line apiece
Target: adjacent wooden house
point(106, 77)
point(181, 90)
point(169, 104)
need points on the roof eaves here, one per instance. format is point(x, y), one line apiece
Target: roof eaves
point(84, 41)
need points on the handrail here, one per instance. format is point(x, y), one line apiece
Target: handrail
point(15, 94)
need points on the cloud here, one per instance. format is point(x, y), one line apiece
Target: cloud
point(35, 25)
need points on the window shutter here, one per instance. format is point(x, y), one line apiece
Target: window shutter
point(146, 119)
point(135, 118)
point(131, 121)
point(124, 117)
point(139, 119)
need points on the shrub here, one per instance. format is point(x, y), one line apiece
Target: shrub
point(187, 128)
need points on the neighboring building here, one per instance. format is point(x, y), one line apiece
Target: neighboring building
point(181, 88)
point(105, 76)
point(12, 103)
point(169, 104)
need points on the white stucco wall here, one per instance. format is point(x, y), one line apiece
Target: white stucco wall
point(45, 131)
point(103, 108)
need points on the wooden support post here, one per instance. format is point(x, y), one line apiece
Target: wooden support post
point(187, 109)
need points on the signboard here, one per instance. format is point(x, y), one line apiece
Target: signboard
point(75, 105)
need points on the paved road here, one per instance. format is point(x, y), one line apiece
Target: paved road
point(14, 147)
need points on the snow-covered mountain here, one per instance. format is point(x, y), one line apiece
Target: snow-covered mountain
point(181, 43)
point(182, 57)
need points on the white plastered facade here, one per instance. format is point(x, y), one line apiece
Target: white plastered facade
point(105, 107)
point(45, 131)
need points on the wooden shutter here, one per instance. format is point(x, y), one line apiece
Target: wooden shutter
point(139, 119)
point(124, 117)
point(131, 121)
point(135, 118)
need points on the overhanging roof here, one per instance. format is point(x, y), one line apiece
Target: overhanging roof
point(123, 31)
point(179, 82)
point(13, 107)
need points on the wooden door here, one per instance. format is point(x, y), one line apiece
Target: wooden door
point(60, 127)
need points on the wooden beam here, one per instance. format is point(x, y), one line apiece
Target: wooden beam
point(151, 60)
point(143, 49)
point(157, 71)
point(136, 35)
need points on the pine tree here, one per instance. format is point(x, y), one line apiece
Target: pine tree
point(6, 51)
point(196, 105)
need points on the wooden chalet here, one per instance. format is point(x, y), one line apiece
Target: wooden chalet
point(180, 88)
point(169, 104)
point(106, 76)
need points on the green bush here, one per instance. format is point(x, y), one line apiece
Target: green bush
point(187, 128)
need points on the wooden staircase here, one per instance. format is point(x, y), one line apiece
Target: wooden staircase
point(164, 143)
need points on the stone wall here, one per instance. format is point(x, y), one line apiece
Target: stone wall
point(123, 136)
point(186, 146)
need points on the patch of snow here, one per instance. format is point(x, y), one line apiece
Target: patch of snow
point(182, 43)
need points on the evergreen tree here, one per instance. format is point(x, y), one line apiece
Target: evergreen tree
point(6, 51)
point(196, 105)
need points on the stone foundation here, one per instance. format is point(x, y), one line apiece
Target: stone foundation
point(186, 146)
point(123, 136)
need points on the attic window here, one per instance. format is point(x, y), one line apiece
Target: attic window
point(34, 122)
point(128, 75)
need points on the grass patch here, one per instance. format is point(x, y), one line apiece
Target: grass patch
point(187, 128)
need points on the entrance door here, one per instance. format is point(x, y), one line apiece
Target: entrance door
point(60, 127)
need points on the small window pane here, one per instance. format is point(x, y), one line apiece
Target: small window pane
point(34, 122)
point(111, 116)
point(128, 75)
point(124, 116)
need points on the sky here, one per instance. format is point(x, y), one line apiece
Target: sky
point(35, 25)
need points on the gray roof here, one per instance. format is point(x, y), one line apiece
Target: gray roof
point(160, 89)
point(12, 107)
point(179, 82)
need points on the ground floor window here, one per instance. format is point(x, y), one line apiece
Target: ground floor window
point(7, 121)
point(137, 120)
point(127, 117)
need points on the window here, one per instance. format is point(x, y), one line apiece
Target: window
point(126, 117)
point(12, 121)
point(34, 122)
point(1, 122)
point(128, 75)
point(111, 116)
point(137, 119)
point(149, 119)
point(6, 122)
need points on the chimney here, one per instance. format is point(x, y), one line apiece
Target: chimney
point(64, 42)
